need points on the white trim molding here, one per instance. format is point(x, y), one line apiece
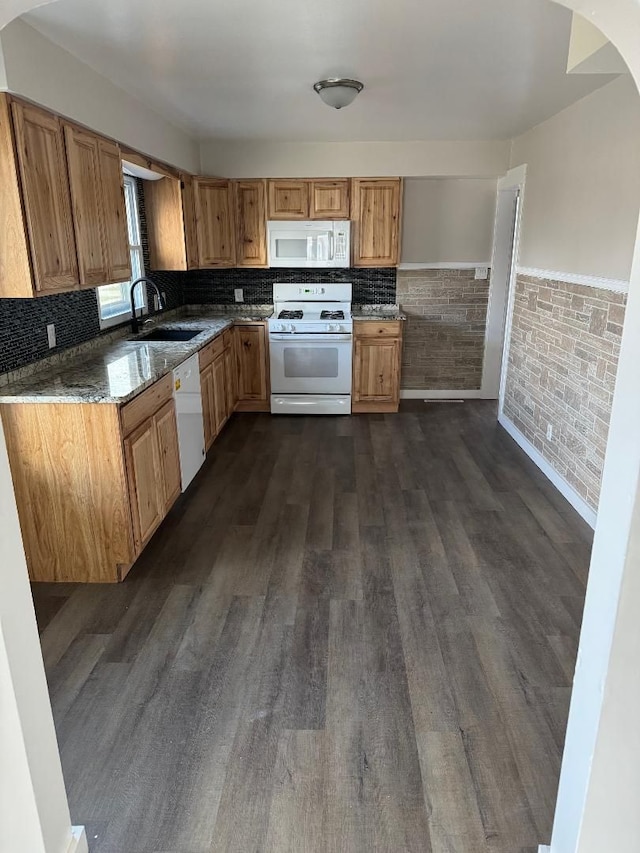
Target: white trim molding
point(411, 394)
point(78, 843)
point(577, 502)
point(445, 265)
point(617, 285)
point(544, 849)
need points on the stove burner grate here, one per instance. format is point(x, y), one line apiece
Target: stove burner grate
point(290, 315)
point(332, 315)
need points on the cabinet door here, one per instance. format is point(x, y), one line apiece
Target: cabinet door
point(189, 220)
point(146, 494)
point(208, 405)
point(115, 215)
point(376, 370)
point(83, 159)
point(230, 378)
point(221, 411)
point(169, 453)
point(330, 199)
point(288, 199)
point(46, 198)
point(215, 223)
point(251, 351)
point(165, 224)
point(251, 216)
point(376, 215)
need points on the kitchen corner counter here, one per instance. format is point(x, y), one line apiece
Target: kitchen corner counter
point(376, 313)
point(117, 371)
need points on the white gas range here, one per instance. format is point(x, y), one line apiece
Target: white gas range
point(310, 345)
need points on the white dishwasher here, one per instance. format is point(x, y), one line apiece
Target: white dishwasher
point(188, 398)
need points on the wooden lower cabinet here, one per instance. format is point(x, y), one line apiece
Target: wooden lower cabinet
point(145, 489)
point(252, 358)
point(377, 358)
point(93, 481)
point(217, 384)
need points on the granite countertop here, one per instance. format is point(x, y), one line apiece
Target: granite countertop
point(117, 371)
point(377, 312)
point(237, 311)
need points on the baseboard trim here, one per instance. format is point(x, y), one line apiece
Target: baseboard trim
point(445, 265)
point(544, 849)
point(410, 394)
point(617, 285)
point(78, 843)
point(578, 503)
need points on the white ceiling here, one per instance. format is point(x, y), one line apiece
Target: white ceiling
point(432, 69)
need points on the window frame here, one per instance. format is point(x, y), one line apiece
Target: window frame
point(134, 233)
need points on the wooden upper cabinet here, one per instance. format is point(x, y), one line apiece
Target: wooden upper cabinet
point(329, 199)
point(165, 224)
point(288, 199)
point(251, 216)
point(46, 198)
point(99, 215)
point(376, 226)
point(83, 160)
point(215, 225)
point(114, 212)
point(189, 222)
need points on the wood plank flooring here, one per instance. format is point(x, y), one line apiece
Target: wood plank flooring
point(353, 634)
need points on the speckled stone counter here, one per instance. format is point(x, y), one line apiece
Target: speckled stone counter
point(117, 371)
point(238, 311)
point(377, 312)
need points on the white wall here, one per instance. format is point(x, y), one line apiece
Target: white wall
point(40, 70)
point(583, 185)
point(241, 159)
point(448, 220)
point(34, 815)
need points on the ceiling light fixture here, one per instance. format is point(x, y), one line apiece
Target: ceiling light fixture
point(338, 92)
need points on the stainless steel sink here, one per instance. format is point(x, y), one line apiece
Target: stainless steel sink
point(169, 335)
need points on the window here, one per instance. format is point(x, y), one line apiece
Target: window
point(114, 305)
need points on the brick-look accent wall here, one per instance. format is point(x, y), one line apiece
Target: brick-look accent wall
point(563, 359)
point(444, 334)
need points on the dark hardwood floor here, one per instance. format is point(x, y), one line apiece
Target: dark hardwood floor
point(353, 634)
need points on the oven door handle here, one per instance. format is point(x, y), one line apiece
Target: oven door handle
point(306, 337)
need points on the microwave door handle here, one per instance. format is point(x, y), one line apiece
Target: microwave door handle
point(331, 246)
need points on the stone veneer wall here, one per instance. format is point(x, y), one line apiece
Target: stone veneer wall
point(563, 359)
point(444, 334)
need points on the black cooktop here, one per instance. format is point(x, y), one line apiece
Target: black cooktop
point(290, 315)
point(332, 315)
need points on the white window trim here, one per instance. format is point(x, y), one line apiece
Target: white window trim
point(136, 252)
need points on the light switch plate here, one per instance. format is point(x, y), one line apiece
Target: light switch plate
point(482, 272)
point(238, 294)
point(51, 335)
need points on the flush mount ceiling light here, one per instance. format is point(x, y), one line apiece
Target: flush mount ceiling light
point(338, 92)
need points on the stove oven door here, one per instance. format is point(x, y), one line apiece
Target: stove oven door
point(310, 363)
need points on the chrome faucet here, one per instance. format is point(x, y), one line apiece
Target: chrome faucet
point(134, 320)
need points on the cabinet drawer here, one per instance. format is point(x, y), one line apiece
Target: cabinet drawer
point(212, 349)
point(383, 329)
point(146, 404)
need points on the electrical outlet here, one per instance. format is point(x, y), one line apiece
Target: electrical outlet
point(482, 272)
point(51, 335)
point(549, 432)
point(238, 294)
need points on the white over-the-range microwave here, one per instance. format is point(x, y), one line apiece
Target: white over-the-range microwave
point(309, 243)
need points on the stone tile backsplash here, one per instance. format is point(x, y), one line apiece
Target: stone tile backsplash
point(444, 333)
point(561, 373)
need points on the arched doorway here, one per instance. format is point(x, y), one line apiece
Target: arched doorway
point(602, 748)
